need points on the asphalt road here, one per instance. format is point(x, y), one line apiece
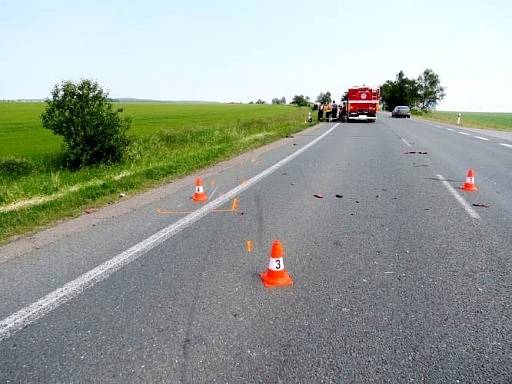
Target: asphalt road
point(394, 281)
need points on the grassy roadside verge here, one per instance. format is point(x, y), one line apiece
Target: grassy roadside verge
point(483, 120)
point(170, 140)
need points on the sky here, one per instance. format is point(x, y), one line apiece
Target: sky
point(238, 51)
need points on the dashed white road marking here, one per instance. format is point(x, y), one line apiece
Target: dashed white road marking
point(450, 129)
point(463, 133)
point(48, 303)
point(406, 142)
point(471, 212)
point(506, 145)
point(481, 138)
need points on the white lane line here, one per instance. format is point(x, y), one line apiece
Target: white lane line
point(506, 145)
point(46, 304)
point(481, 138)
point(406, 142)
point(459, 198)
point(450, 129)
point(463, 133)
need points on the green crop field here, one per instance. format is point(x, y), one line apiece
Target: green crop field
point(169, 140)
point(485, 120)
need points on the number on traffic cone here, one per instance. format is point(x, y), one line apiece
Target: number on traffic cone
point(469, 185)
point(199, 194)
point(276, 275)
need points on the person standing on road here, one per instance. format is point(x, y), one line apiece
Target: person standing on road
point(320, 111)
point(328, 111)
point(334, 112)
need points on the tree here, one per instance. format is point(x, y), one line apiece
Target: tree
point(81, 113)
point(300, 100)
point(277, 100)
point(402, 91)
point(259, 101)
point(430, 91)
point(324, 98)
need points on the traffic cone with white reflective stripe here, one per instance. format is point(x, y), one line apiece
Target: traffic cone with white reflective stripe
point(276, 275)
point(199, 194)
point(469, 185)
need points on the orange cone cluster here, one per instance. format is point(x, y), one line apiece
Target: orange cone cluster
point(276, 275)
point(470, 185)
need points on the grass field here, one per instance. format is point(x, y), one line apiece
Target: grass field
point(169, 140)
point(485, 120)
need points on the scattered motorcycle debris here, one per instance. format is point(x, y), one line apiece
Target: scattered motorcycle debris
point(480, 205)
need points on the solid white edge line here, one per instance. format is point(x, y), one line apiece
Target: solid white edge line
point(481, 138)
point(27, 315)
point(406, 142)
point(459, 198)
point(506, 145)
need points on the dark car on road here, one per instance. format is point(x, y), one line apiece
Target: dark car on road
point(401, 111)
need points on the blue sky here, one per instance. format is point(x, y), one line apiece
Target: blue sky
point(244, 50)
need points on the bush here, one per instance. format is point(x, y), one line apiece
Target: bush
point(13, 167)
point(82, 114)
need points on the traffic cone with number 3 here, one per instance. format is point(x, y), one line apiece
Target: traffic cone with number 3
point(469, 185)
point(276, 275)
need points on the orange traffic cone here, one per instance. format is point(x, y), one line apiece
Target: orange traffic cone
point(199, 194)
point(469, 185)
point(276, 275)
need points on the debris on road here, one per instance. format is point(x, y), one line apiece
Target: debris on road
point(319, 195)
point(416, 152)
point(339, 196)
point(480, 205)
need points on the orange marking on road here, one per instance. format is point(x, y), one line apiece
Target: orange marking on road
point(163, 212)
point(249, 246)
point(234, 207)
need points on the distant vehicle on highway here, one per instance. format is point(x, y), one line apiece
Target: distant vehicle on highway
point(401, 111)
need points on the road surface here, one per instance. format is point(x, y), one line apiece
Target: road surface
point(397, 276)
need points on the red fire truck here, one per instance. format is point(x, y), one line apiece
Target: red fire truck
point(361, 103)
